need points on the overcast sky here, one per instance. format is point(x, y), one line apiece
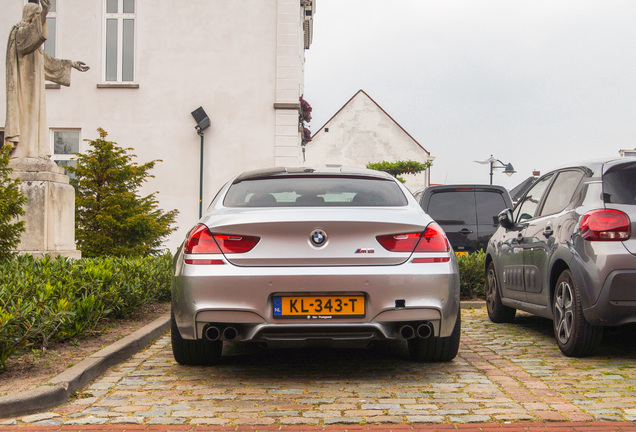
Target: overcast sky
point(535, 83)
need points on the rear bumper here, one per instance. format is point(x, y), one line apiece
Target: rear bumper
point(616, 304)
point(241, 299)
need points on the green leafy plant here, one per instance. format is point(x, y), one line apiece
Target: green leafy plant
point(400, 167)
point(11, 201)
point(472, 275)
point(111, 218)
point(48, 300)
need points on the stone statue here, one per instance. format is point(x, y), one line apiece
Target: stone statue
point(28, 66)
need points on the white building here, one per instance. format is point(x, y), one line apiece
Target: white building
point(361, 132)
point(154, 62)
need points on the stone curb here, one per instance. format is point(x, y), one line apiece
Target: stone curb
point(60, 388)
point(475, 304)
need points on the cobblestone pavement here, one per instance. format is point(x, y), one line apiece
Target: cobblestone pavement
point(504, 373)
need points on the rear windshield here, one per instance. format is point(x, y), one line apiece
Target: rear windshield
point(489, 205)
point(453, 208)
point(619, 185)
point(468, 207)
point(292, 191)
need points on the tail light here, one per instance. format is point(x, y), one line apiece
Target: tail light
point(432, 239)
point(202, 241)
point(605, 225)
point(400, 242)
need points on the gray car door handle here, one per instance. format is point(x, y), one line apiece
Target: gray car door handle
point(465, 231)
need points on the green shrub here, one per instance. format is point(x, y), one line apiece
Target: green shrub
point(471, 275)
point(47, 300)
point(11, 202)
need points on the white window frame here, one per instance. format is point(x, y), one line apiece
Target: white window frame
point(51, 47)
point(120, 16)
point(52, 15)
point(64, 156)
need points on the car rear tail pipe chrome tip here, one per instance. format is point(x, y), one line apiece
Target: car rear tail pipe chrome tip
point(211, 333)
point(407, 332)
point(425, 330)
point(230, 333)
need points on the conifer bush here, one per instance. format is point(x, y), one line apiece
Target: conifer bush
point(11, 201)
point(111, 218)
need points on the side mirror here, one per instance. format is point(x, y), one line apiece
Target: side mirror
point(505, 219)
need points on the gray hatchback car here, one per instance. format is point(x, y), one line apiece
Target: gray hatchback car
point(566, 252)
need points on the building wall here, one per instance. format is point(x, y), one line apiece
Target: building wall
point(361, 133)
point(241, 61)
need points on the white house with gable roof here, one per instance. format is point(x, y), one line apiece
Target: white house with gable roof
point(362, 132)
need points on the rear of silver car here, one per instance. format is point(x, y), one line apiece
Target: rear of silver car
point(334, 271)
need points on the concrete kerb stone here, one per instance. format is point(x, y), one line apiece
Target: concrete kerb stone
point(60, 388)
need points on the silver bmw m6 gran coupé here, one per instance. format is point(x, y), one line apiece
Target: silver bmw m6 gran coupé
point(315, 254)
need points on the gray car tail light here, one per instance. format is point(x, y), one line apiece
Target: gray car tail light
point(605, 225)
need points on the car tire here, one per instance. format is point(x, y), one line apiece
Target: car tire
point(437, 349)
point(497, 312)
point(574, 335)
point(193, 352)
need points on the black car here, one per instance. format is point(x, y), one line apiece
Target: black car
point(467, 213)
point(567, 252)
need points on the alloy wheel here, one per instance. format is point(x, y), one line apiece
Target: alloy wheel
point(564, 311)
point(491, 289)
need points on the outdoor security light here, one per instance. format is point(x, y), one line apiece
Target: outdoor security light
point(203, 122)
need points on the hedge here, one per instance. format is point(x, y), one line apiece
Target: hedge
point(472, 275)
point(49, 300)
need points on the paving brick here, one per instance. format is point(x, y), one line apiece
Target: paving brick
point(508, 376)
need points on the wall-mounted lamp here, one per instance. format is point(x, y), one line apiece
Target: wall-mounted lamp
point(203, 122)
point(202, 119)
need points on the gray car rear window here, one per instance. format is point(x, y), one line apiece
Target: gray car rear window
point(619, 185)
point(297, 191)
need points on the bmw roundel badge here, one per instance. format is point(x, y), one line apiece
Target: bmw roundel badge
point(318, 237)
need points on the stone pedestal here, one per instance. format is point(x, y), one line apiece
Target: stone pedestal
point(49, 217)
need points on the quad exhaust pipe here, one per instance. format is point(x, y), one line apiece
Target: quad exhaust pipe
point(212, 333)
point(407, 332)
point(423, 331)
point(230, 333)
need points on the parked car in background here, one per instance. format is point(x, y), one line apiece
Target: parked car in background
point(467, 213)
point(567, 252)
point(315, 254)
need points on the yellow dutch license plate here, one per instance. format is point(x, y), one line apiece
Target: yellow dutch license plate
point(461, 253)
point(319, 307)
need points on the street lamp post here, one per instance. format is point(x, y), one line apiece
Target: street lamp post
point(508, 169)
point(203, 122)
